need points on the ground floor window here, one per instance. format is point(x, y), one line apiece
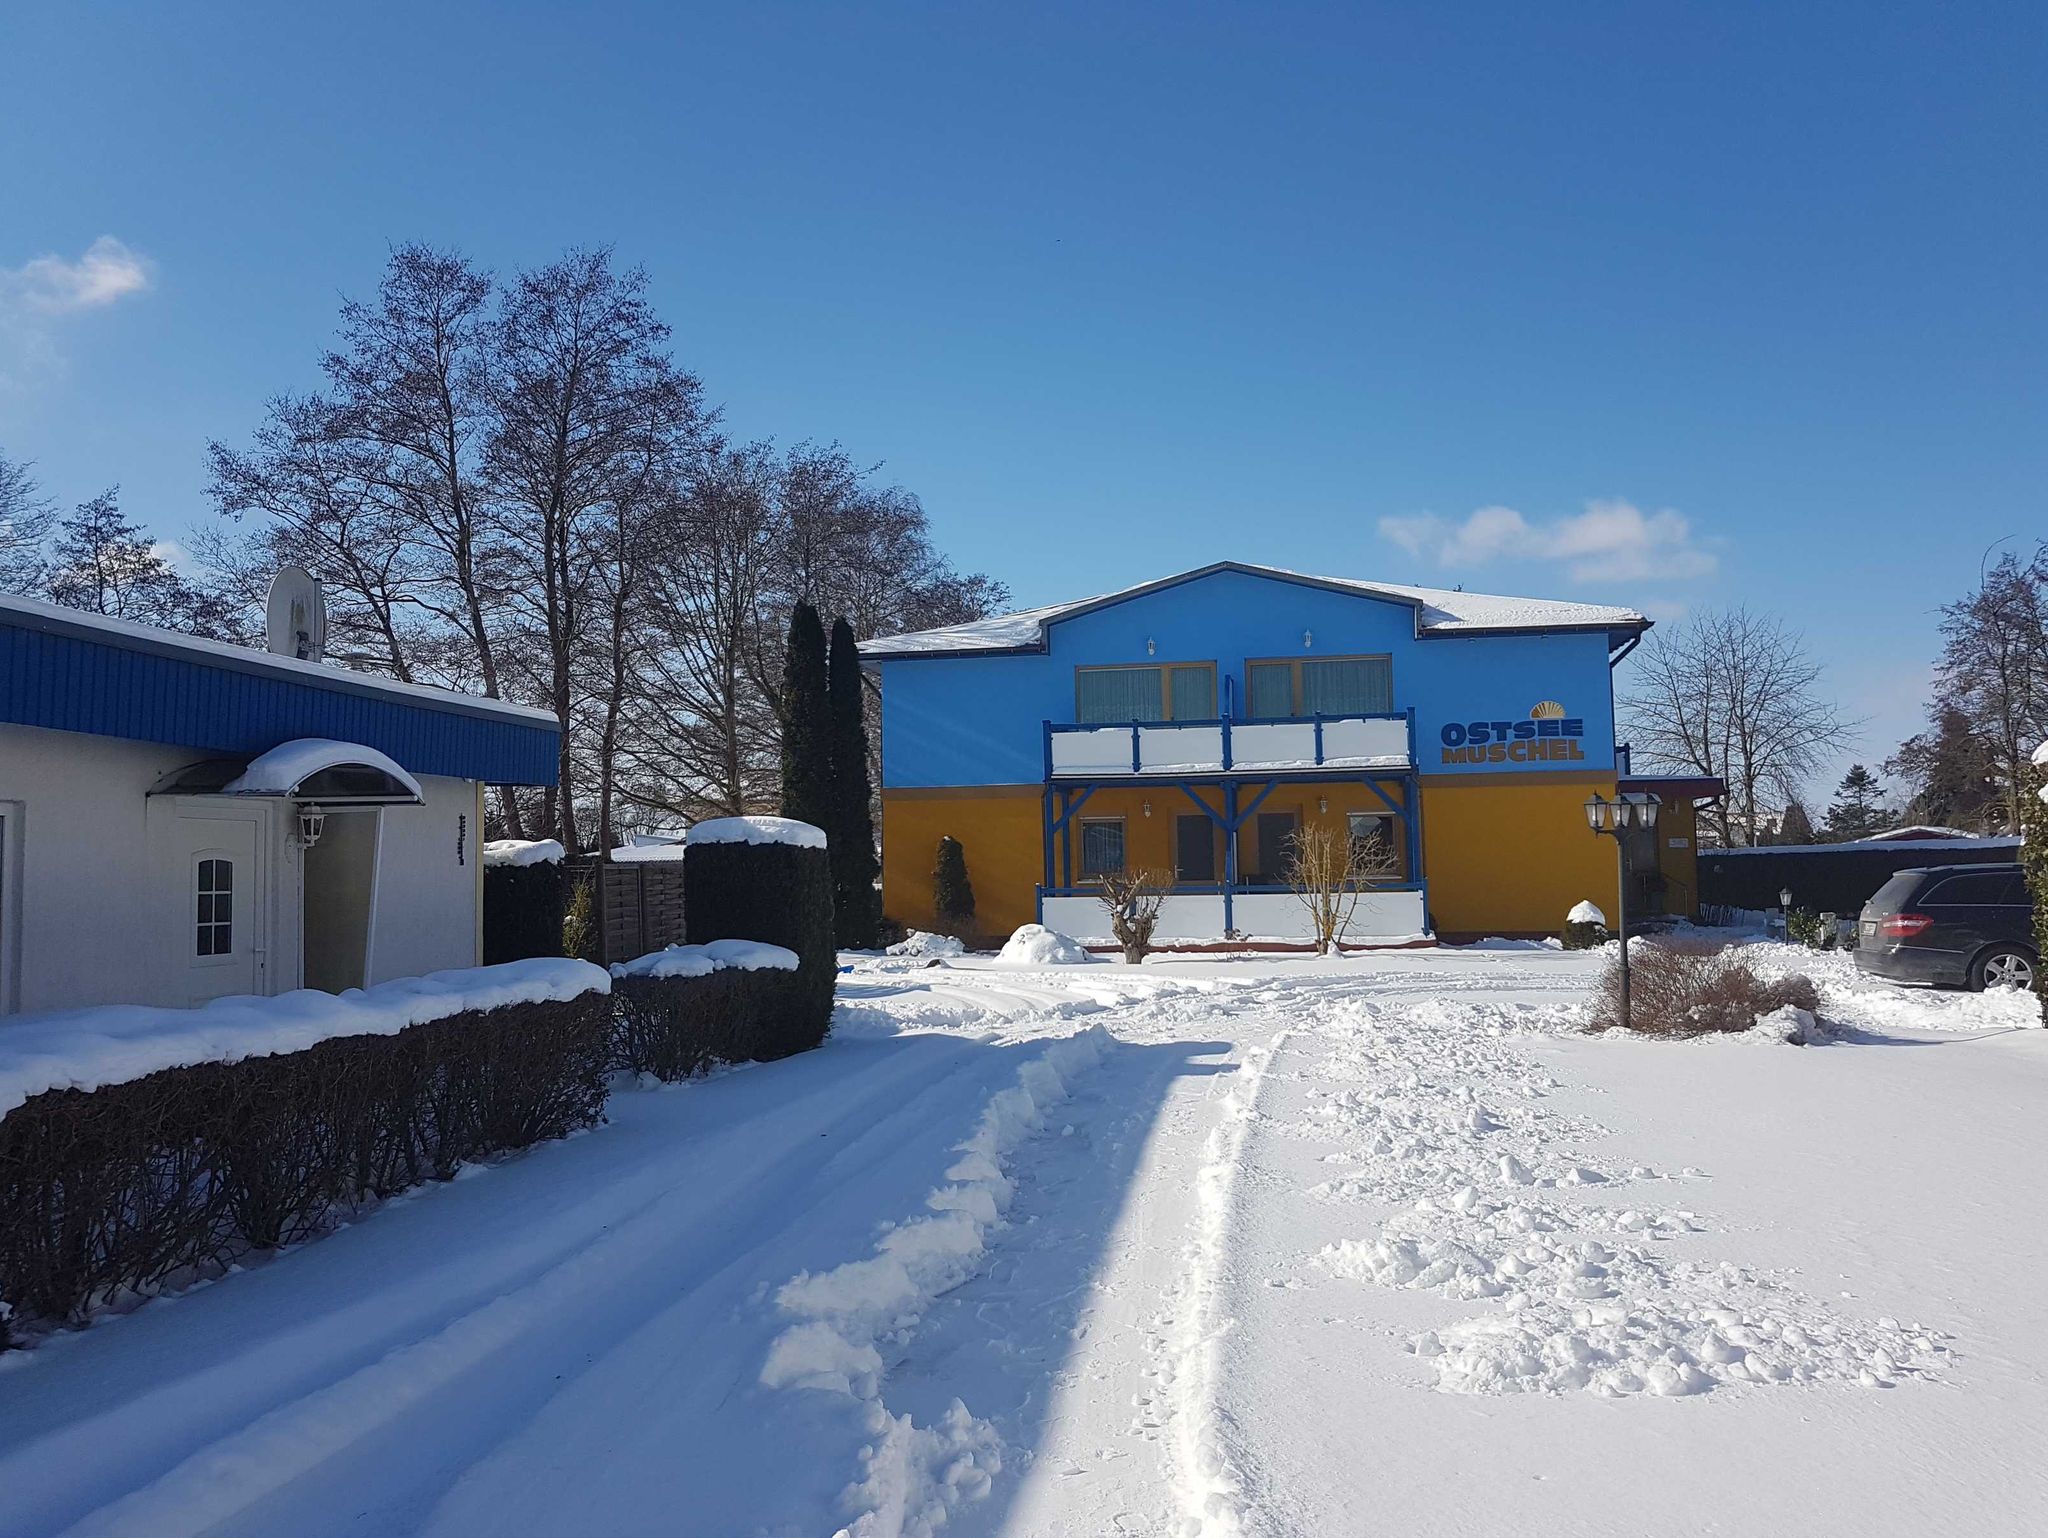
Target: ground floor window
point(1102, 846)
point(1372, 844)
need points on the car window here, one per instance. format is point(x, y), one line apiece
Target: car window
point(1974, 890)
point(2015, 890)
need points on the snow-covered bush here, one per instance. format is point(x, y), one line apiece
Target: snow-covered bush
point(684, 1009)
point(921, 943)
point(1680, 991)
point(1033, 945)
point(1585, 928)
point(144, 1144)
point(768, 879)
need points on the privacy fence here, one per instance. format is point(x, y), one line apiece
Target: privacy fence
point(149, 1147)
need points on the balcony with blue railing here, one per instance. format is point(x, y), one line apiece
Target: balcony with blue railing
point(1369, 743)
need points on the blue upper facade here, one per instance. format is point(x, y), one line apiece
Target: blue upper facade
point(955, 716)
point(81, 673)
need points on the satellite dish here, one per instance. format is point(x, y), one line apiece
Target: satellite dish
point(295, 616)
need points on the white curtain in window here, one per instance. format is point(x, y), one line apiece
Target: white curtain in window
point(1346, 686)
point(1269, 690)
point(1117, 694)
point(1102, 848)
point(1194, 694)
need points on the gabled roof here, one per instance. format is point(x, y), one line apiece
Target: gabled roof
point(1438, 612)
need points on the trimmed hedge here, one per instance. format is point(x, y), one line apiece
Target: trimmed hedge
point(677, 1027)
point(780, 894)
point(118, 1189)
point(523, 909)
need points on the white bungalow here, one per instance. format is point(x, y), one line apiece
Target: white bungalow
point(182, 820)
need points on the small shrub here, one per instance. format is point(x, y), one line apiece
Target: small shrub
point(677, 1027)
point(780, 894)
point(1133, 898)
point(1803, 927)
point(579, 916)
point(952, 892)
point(1585, 935)
point(1680, 992)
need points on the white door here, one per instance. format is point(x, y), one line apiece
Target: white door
point(218, 924)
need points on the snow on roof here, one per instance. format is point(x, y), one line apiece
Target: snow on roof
point(644, 854)
point(286, 767)
point(118, 1043)
point(1916, 831)
point(755, 830)
point(1438, 611)
point(1988, 846)
point(522, 851)
point(33, 614)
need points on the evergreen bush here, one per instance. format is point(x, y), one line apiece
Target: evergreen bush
point(525, 912)
point(2034, 863)
point(851, 833)
point(805, 709)
point(677, 1027)
point(952, 892)
point(579, 916)
point(780, 894)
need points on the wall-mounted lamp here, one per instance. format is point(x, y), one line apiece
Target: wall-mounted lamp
point(1151, 647)
point(1322, 803)
point(1308, 639)
point(1148, 808)
point(311, 821)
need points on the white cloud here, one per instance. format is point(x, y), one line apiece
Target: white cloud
point(1611, 541)
point(54, 285)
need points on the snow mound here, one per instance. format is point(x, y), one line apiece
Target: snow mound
point(756, 830)
point(912, 1477)
point(1036, 946)
point(920, 942)
point(1850, 998)
point(522, 851)
point(118, 1043)
point(1586, 913)
point(702, 960)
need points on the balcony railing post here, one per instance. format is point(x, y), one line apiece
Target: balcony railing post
point(1137, 749)
point(1319, 737)
point(1226, 740)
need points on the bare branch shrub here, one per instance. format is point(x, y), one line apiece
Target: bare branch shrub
point(1325, 869)
point(1133, 898)
point(1675, 991)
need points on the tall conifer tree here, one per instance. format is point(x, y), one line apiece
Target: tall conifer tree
point(806, 723)
point(854, 867)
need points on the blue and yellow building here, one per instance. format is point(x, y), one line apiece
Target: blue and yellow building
point(1190, 726)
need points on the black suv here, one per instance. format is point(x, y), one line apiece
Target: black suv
point(1961, 925)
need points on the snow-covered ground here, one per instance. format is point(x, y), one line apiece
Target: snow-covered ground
point(1212, 1247)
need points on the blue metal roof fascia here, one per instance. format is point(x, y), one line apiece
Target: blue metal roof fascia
point(75, 683)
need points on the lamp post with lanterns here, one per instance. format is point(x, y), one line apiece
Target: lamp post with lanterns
point(1617, 818)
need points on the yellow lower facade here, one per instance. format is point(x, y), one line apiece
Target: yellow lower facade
point(1503, 854)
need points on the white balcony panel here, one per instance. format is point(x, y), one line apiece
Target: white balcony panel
point(1102, 750)
point(1194, 918)
point(1276, 742)
point(1365, 742)
point(1175, 749)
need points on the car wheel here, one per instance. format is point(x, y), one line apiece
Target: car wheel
point(2005, 966)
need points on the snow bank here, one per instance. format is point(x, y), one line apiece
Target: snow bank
point(118, 1043)
point(922, 943)
point(756, 830)
point(912, 1477)
point(522, 851)
point(1849, 997)
point(1586, 913)
point(702, 960)
point(1036, 946)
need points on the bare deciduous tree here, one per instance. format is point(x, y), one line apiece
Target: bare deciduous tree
point(25, 519)
point(1735, 695)
point(1133, 899)
point(1326, 871)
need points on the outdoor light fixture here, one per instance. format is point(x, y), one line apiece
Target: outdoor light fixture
point(1148, 808)
point(311, 821)
point(1151, 647)
point(1615, 819)
point(1322, 803)
point(1785, 897)
point(1308, 639)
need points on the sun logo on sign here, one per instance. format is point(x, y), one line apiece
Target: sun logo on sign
point(1548, 710)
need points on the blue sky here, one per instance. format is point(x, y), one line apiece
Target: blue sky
point(1119, 290)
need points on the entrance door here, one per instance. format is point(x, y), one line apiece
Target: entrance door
point(1194, 848)
point(219, 912)
point(1276, 847)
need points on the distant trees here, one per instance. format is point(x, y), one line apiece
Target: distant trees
point(25, 519)
point(1990, 703)
point(1858, 809)
point(1794, 825)
point(1736, 695)
point(511, 486)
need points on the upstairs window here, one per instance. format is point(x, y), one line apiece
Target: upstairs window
point(1178, 691)
point(1319, 686)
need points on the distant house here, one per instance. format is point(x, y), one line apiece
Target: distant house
point(1190, 726)
point(182, 819)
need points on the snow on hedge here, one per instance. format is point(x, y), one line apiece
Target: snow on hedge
point(757, 830)
point(1586, 913)
point(119, 1043)
point(702, 960)
point(646, 854)
point(1033, 945)
point(522, 851)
